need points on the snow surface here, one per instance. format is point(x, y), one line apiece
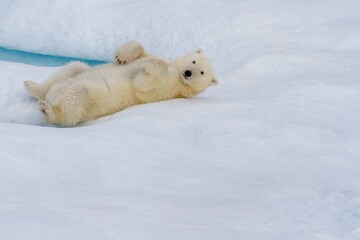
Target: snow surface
point(271, 153)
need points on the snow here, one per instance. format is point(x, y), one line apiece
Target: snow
point(270, 153)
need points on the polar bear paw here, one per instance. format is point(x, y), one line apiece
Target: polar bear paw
point(128, 52)
point(154, 66)
point(45, 107)
point(34, 89)
point(29, 86)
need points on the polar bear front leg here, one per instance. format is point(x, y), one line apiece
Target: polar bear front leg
point(128, 52)
point(153, 72)
point(154, 66)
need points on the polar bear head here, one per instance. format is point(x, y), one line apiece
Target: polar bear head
point(196, 71)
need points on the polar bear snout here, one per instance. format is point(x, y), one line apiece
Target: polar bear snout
point(187, 74)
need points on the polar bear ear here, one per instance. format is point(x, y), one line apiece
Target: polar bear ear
point(199, 51)
point(214, 81)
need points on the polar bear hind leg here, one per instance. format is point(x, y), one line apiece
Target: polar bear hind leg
point(69, 109)
point(40, 90)
point(66, 115)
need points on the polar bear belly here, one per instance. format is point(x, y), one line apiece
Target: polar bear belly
point(108, 92)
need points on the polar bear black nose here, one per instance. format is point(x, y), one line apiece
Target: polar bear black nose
point(188, 73)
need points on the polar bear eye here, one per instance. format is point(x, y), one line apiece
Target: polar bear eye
point(194, 62)
point(202, 72)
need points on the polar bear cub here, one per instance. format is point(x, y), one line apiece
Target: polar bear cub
point(77, 93)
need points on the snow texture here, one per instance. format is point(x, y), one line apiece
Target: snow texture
point(271, 153)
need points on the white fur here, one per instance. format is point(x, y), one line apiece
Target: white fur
point(77, 93)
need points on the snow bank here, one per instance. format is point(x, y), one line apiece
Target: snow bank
point(231, 32)
point(271, 153)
